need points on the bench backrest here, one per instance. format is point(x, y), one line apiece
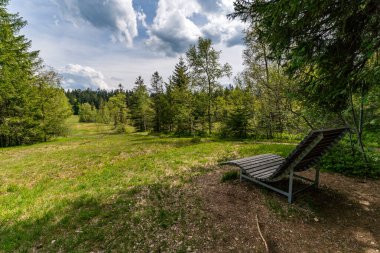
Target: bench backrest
point(310, 151)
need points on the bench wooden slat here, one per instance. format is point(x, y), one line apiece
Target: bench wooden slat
point(255, 164)
point(263, 167)
point(254, 159)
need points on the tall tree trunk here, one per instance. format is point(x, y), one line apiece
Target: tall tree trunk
point(209, 104)
point(358, 122)
point(266, 63)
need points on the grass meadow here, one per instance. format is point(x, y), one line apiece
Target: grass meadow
point(95, 190)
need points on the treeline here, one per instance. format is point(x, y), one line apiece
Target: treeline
point(33, 107)
point(261, 102)
point(93, 97)
point(193, 102)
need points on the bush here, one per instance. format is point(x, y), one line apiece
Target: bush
point(120, 128)
point(87, 113)
point(237, 124)
point(196, 139)
point(343, 160)
point(230, 175)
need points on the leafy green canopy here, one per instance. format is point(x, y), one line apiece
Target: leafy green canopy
point(206, 70)
point(326, 45)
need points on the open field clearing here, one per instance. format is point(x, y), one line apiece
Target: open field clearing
point(99, 191)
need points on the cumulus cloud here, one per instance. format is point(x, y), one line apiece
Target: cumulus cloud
point(175, 25)
point(118, 16)
point(82, 77)
point(172, 30)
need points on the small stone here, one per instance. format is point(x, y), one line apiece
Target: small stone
point(373, 243)
point(316, 219)
point(52, 242)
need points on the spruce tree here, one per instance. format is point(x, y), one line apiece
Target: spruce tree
point(182, 99)
point(18, 99)
point(157, 94)
point(141, 105)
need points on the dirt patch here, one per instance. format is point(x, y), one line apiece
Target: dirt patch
point(343, 215)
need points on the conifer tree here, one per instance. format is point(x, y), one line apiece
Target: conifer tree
point(141, 105)
point(18, 99)
point(182, 98)
point(157, 94)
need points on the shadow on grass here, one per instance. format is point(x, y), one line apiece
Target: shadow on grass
point(155, 218)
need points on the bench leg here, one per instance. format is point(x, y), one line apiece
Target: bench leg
point(316, 182)
point(290, 192)
point(241, 173)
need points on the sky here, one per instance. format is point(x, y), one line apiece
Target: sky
point(102, 43)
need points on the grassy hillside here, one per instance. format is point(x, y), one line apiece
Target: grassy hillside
point(96, 190)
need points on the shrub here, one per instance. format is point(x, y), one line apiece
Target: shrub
point(196, 139)
point(343, 159)
point(87, 113)
point(230, 175)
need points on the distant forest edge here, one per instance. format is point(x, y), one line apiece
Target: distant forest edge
point(292, 83)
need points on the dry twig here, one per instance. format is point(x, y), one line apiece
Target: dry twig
point(261, 235)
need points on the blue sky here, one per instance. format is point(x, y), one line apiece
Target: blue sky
point(101, 43)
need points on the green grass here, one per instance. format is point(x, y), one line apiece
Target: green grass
point(95, 190)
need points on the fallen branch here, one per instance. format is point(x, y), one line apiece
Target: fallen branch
point(261, 235)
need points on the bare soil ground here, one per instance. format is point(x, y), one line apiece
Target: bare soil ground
point(343, 215)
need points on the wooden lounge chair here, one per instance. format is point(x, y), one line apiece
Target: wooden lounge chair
point(264, 169)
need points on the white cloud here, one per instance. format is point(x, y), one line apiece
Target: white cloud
point(118, 16)
point(173, 28)
point(76, 76)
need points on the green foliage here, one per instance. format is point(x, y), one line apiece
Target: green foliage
point(324, 55)
point(54, 107)
point(158, 100)
point(87, 113)
point(331, 56)
point(348, 160)
point(182, 99)
point(93, 97)
point(32, 106)
point(196, 140)
point(118, 111)
point(230, 175)
point(205, 70)
point(141, 106)
point(237, 124)
point(18, 97)
point(104, 114)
